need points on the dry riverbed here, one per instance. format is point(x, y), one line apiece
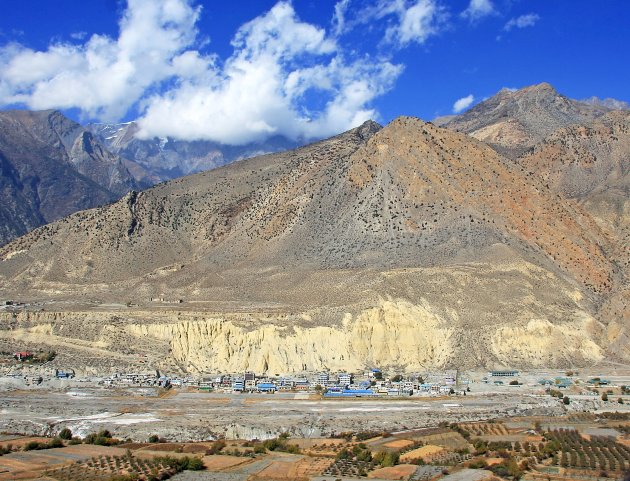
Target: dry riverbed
point(195, 416)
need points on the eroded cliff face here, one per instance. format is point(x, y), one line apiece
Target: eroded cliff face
point(395, 333)
point(542, 343)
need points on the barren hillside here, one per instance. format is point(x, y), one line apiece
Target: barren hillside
point(411, 245)
point(514, 120)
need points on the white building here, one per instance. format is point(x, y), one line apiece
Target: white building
point(322, 378)
point(345, 379)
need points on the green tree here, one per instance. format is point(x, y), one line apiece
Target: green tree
point(386, 459)
point(566, 400)
point(344, 454)
point(604, 397)
point(195, 464)
point(65, 434)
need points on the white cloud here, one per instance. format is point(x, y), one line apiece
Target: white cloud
point(259, 90)
point(416, 21)
point(103, 77)
point(405, 21)
point(462, 104)
point(156, 67)
point(339, 17)
point(528, 20)
point(478, 9)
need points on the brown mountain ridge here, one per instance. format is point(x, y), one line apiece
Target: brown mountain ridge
point(410, 235)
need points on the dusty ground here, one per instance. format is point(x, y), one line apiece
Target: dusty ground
point(186, 416)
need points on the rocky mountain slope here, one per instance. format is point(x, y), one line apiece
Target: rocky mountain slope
point(51, 167)
point(512, 121)
point(409, 246)
point(158, 159)
point(590, 165)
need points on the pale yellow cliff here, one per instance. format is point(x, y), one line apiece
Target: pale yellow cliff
point(394, 334)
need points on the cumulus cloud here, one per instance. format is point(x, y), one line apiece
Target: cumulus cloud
point(260, 89)
point(417, 22)
point(462, 104)
point(103, 77)
point(156, 67)
point(478, 9)
point(528, 20)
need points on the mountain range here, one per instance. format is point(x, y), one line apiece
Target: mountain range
point(51, 166)
point(158, 159)
point(411, 246)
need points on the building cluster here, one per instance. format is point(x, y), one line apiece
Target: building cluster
point(148, 379)
point(34, 376)
point(342, 384)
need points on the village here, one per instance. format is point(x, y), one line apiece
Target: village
point(379, 423)
point(26, 369)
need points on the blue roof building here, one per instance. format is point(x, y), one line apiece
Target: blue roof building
point(266, 387)
point(351, 393)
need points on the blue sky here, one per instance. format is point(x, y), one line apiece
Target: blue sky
point(202, 69)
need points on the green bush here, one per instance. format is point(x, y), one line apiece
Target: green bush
point(386, 459)
point(363, 435)
point(479, 464)
point(55, 443)
point(280, 444)
point(102, 438)
point(185, 463)
point(344, 454)
point(65, 434)
point(216, 447)
point(195, 464)
point(35, 445)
